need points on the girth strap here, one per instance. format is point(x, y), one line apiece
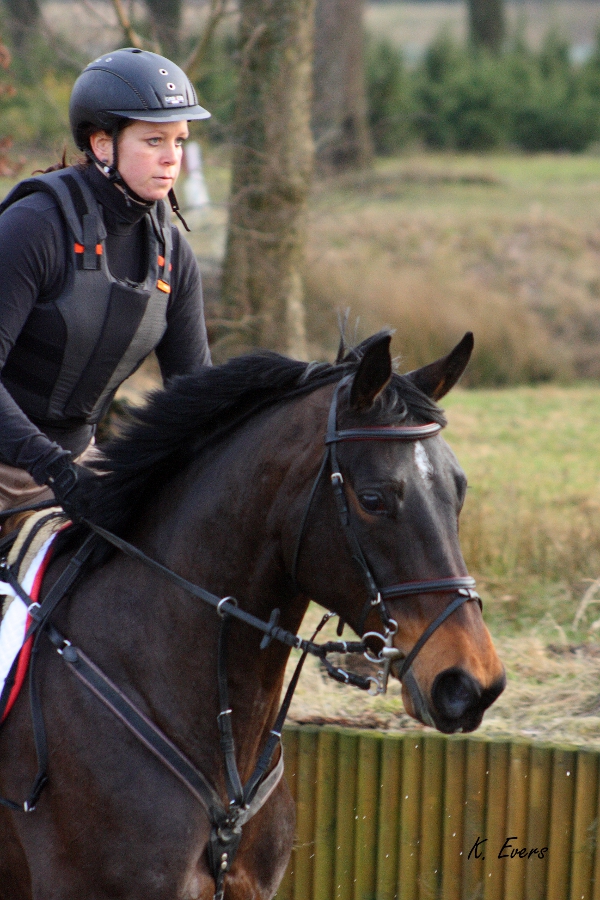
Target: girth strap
point(40, 614)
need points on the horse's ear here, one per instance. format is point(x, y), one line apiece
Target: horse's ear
point(439, 377)
point(373, 374)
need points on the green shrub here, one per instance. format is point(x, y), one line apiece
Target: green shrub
point(38, 118)
point(473, 108)
point(389, 96)
point(591, 71)
point(464, 99)
point(555, 108)
point(556, 117)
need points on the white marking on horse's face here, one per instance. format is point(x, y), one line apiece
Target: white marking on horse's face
point(423, 463)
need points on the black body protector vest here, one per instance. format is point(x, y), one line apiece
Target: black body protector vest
point(75, 351)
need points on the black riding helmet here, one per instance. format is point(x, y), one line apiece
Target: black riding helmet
point(130, 84)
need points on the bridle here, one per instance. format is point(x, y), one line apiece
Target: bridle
point(462, 586)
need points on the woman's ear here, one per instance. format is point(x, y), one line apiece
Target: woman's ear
point(102, 146)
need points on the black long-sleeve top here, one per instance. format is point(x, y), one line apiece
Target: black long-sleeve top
point(34, 253)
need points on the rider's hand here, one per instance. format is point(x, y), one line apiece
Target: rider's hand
point(70, 485)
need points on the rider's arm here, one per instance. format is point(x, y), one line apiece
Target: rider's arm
point(184, 348)
point(31, 251)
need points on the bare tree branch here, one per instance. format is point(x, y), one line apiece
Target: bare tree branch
point(125, 23)
point(97, 12)
point(216, 13)
point(248, 47)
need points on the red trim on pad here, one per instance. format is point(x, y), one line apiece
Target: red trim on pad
point(25, 651)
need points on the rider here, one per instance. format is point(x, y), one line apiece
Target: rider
point(95, 276)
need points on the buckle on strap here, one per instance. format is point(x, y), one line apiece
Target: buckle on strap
point(384, 659)
point(221, 850)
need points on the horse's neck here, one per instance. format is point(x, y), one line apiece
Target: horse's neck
point(220, 526)
point(233, 516)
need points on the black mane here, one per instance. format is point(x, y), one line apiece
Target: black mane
point(195, 410)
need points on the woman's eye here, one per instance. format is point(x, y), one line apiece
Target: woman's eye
point(372, 502)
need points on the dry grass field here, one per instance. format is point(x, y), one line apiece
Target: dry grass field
point(412, 26)
point(507, 246)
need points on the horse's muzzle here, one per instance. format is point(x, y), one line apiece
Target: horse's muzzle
point(458, 700)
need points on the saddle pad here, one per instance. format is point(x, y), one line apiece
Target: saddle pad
point(14, 654)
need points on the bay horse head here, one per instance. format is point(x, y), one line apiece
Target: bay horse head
point(399, 491)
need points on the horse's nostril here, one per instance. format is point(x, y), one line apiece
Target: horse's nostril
point(454, 693)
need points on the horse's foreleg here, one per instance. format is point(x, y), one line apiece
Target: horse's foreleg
point(14, 872)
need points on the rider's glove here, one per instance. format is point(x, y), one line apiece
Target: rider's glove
point(69, 482)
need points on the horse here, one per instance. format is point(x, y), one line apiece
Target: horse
point(268, 482)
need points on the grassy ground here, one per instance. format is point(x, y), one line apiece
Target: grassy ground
point(532, 515)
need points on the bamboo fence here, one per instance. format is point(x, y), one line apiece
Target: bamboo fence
point(422, 816)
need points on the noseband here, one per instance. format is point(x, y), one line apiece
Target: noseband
point(462, 587)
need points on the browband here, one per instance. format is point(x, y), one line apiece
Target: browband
point(386, 433)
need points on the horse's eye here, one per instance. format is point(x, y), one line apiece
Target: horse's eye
point(372, 502)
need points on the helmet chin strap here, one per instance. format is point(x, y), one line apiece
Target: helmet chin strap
point(175, 208)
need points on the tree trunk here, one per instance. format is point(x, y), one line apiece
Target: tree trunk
point(23, 20)
point(487, 26)
point(271, 175)
point(340, 123)
point(166, 20)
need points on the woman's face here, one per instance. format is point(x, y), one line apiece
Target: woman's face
point(149, 155)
